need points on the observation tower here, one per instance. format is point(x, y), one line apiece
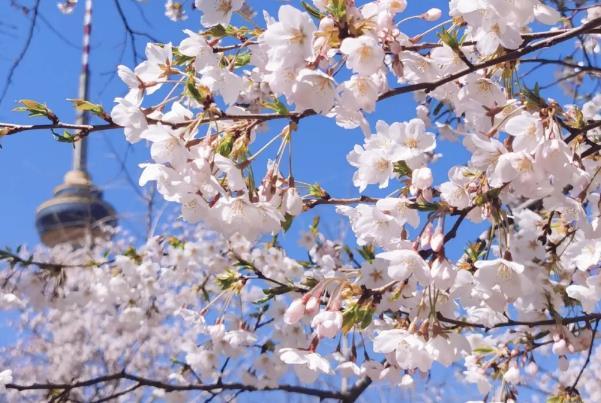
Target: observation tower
point(77, 213)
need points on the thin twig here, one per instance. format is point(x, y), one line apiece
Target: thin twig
point(21, 56)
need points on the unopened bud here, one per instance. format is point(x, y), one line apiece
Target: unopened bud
point(432, 14)
point(563, 363)
point(531, 369)
point(295, 312)
point(424, 239)
point(312, 306)
point(437, 241)
point(560, 347)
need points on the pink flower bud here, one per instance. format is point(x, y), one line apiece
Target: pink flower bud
point(437, 241)
point(560, 347)
point(295, 312)
point(312, 306)
point(421, 178)
point(292, 202)
point(424, 239)
point(563, 363)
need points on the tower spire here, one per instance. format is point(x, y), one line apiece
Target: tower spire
point(80, 152)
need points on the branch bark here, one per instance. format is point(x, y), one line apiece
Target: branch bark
point(168, 387)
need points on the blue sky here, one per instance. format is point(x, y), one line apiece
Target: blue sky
point(33, 163)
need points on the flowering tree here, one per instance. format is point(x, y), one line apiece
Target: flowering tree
point(219, 309)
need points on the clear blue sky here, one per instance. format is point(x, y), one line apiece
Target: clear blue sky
point(33, 163)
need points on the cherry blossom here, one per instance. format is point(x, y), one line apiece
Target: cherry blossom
point(478, 249)
point(217, 12)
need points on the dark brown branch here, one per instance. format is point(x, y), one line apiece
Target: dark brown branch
point(130, 32)
point(337, 201)
point(12, 128)
point(526, 37)
point(12, 258)
point(167, 387)
point(511, 323)
point(118, 394)
point(560, 62)
point(358, 388)
point(574, 132)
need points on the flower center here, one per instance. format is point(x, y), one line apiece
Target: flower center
point(382, 165)
point(365, 53)
point(524, 165)
point(505, 273)
point(297, 37)
point(376, 275)
point(485, 86)
point(411, 143)
point(225, 6)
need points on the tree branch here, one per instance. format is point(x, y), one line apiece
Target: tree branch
point(510, 322)
point(167, 387)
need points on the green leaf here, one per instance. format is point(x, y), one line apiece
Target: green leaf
point(338, 9)
point(402, 169)
point(366, 317)
point(86, 106)
point(424, 206)
point(315, 225)
point(449, 38)
point(267, 346)
point(355, 315)
point(65, 137)
point(179, 58)
point(349, 317)
point(314, 12)
point(316, 190)
point(176, 243)
point(484, 350)
point(277, 106)
point(193, 91)
point(532, 97)
point(367, 252)
point(243, 59)
point(133, 255)
point(287, 223)
point(218, 31)
point(239, 60)
point(489, 196)
point(228, 280)
point(36, 109)
point(225, 146)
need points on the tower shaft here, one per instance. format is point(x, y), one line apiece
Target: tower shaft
point(80, 152)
